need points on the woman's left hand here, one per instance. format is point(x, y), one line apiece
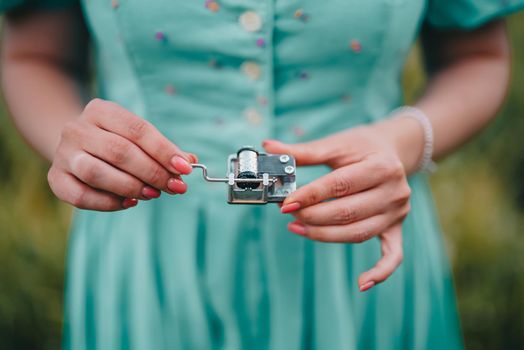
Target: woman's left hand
point(366, 194)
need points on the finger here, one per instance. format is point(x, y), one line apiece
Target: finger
point(141, 133)
point(310, 153)
point(71, 190)
point(345, 210)
point(356, 232)
point(126, 156)
point(392, 256)
point(338, 183)
point(100, 175)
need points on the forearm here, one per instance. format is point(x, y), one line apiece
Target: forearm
point(42, 98)
point(42, 71)
point(461, 98)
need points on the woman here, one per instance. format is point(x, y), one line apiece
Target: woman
point(318, 80)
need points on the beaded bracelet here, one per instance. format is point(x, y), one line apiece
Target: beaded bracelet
point(426, 163)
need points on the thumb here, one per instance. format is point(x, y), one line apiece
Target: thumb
point(309, 153)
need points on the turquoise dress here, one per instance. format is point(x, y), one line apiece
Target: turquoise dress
point(192, 272)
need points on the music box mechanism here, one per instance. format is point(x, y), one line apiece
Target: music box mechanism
point(256, 178)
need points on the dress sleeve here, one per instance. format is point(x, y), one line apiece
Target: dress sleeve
point(8, 5)
point(468, 14)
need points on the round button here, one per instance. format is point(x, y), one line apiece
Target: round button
point(250, 21)
point(251, 69)
point(252, 116)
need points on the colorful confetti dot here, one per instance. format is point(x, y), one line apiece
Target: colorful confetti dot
point(170, 90)
point(262, 100)
point(298, 131)
point(160, 36)
point(215, 64)
point(304, 75)
point(299, 14)
point(356, 46)
point(212, 6)
point(346, 98)
point(115, 4)
point(261, 42)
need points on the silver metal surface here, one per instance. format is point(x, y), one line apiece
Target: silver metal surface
point(228, 179)
point(256, 178)
point(248, 162)
point(289, 169)
point(284, 158)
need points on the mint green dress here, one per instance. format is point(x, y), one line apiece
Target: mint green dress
point(192, 272)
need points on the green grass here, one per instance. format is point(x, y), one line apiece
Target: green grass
point(479, 193)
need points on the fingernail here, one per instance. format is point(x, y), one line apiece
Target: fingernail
point(193, 157)
point(150, 192)
point(367, 285)
point(291, 207)
point(181, 165)
point(177, 185)
point(129, 202)
point(265, 142)
point(297, 227)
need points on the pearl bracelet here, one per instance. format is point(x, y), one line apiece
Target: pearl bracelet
point(426, 163)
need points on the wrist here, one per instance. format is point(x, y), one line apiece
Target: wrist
point(406, 137)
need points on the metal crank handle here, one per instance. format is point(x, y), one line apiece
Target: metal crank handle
point(225, 179)
point(206, 177)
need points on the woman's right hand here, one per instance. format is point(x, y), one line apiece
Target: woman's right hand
point(109, 158)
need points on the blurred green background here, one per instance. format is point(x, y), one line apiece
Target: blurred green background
point(479, 192)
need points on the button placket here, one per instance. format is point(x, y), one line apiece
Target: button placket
point(258, 21)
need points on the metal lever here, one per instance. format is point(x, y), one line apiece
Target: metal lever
point(206, 177)
point(224, 179)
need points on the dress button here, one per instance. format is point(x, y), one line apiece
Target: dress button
point(252, 116)
point(250, 21)
point(251, 69)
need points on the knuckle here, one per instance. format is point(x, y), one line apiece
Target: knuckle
point(304, 215)
point(89, 174)
point(317, 234)
point(360, 236)
point(158, 177)
point(131, 189)
point(346, 215)
point(403, 194)
point(94, 106)
point(341, 186)
point(405, 211)
point(71, 130)
point(51, 178)
point(110, 204)
point(390, 167)
point(399, 257)
point(77, 198)
point(118, 151)
point(407, 191)
point(137, 128)
point(312, 196)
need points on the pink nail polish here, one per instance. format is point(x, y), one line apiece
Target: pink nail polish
point(150, 192)
point(289, 208)
point(297, 227)
point(177, 185)
point(366, 286)
point(129, 203)
point(181, 165)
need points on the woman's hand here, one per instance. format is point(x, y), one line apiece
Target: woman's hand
point(365, 196)
point(108, 158)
